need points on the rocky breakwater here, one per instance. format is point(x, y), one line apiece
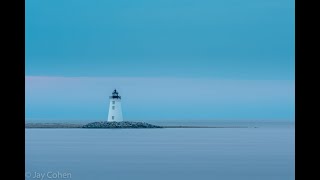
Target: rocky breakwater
point(122, 124)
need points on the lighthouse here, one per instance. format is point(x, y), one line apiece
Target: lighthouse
point(115, 111)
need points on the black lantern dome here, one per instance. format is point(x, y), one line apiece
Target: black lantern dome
point(115, 95)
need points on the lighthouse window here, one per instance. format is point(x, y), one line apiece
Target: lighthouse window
point(113, 102)
point(113, 107)
point(112, 117)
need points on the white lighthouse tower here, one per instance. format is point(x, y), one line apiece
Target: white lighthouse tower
point(115, 111)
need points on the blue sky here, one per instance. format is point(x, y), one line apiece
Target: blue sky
point(224, 59)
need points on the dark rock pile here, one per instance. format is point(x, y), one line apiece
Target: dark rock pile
point(122, 124)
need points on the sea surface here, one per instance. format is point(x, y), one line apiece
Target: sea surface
point(260, 153)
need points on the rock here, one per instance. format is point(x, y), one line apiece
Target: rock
point(122, 124)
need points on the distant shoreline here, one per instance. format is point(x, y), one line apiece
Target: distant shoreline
point(73, 125)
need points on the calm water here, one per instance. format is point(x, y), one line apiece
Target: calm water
point(161, 154)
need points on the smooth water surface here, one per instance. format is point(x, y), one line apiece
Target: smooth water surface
point(162, 154)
